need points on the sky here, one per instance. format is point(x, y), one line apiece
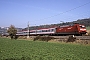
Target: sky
point(42, 12)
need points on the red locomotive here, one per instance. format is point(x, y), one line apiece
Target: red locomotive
point(75, 29)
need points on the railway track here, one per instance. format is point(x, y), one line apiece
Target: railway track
point(77, 37)
point(83, 37)
point(66, 37)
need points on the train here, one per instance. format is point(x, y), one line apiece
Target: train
point(74, 29)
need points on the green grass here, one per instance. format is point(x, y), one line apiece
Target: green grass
point(36, 50)
point(88, 28)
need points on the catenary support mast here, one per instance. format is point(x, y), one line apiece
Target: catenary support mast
point(28, 34)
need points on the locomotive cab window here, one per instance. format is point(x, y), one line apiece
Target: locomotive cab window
point(82, 26)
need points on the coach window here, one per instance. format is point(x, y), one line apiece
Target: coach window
point(31, 32)
point(39, 31)
point(24, 32)
point(48, 30)
point(52, 30)
point(43, 30)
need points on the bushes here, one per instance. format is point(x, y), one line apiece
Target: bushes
point(43, 38)
point(0, 35)
point(71, 39)
point(12, 32)
point(47, 38)
point(14, 37)
point(22, 37)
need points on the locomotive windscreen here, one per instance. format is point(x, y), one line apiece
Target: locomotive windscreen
point(82, 26)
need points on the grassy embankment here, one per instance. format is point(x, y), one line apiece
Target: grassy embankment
point(88, 30)
point(36, 50)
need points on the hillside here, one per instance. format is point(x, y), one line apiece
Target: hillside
point(86, 22)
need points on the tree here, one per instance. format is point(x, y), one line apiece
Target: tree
point(12, 32)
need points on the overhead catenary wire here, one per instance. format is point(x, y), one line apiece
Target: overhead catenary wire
point(66, 11)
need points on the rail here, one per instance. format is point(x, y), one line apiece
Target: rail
point(77, 37)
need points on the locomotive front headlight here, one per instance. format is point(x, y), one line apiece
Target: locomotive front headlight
point(82, 29)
